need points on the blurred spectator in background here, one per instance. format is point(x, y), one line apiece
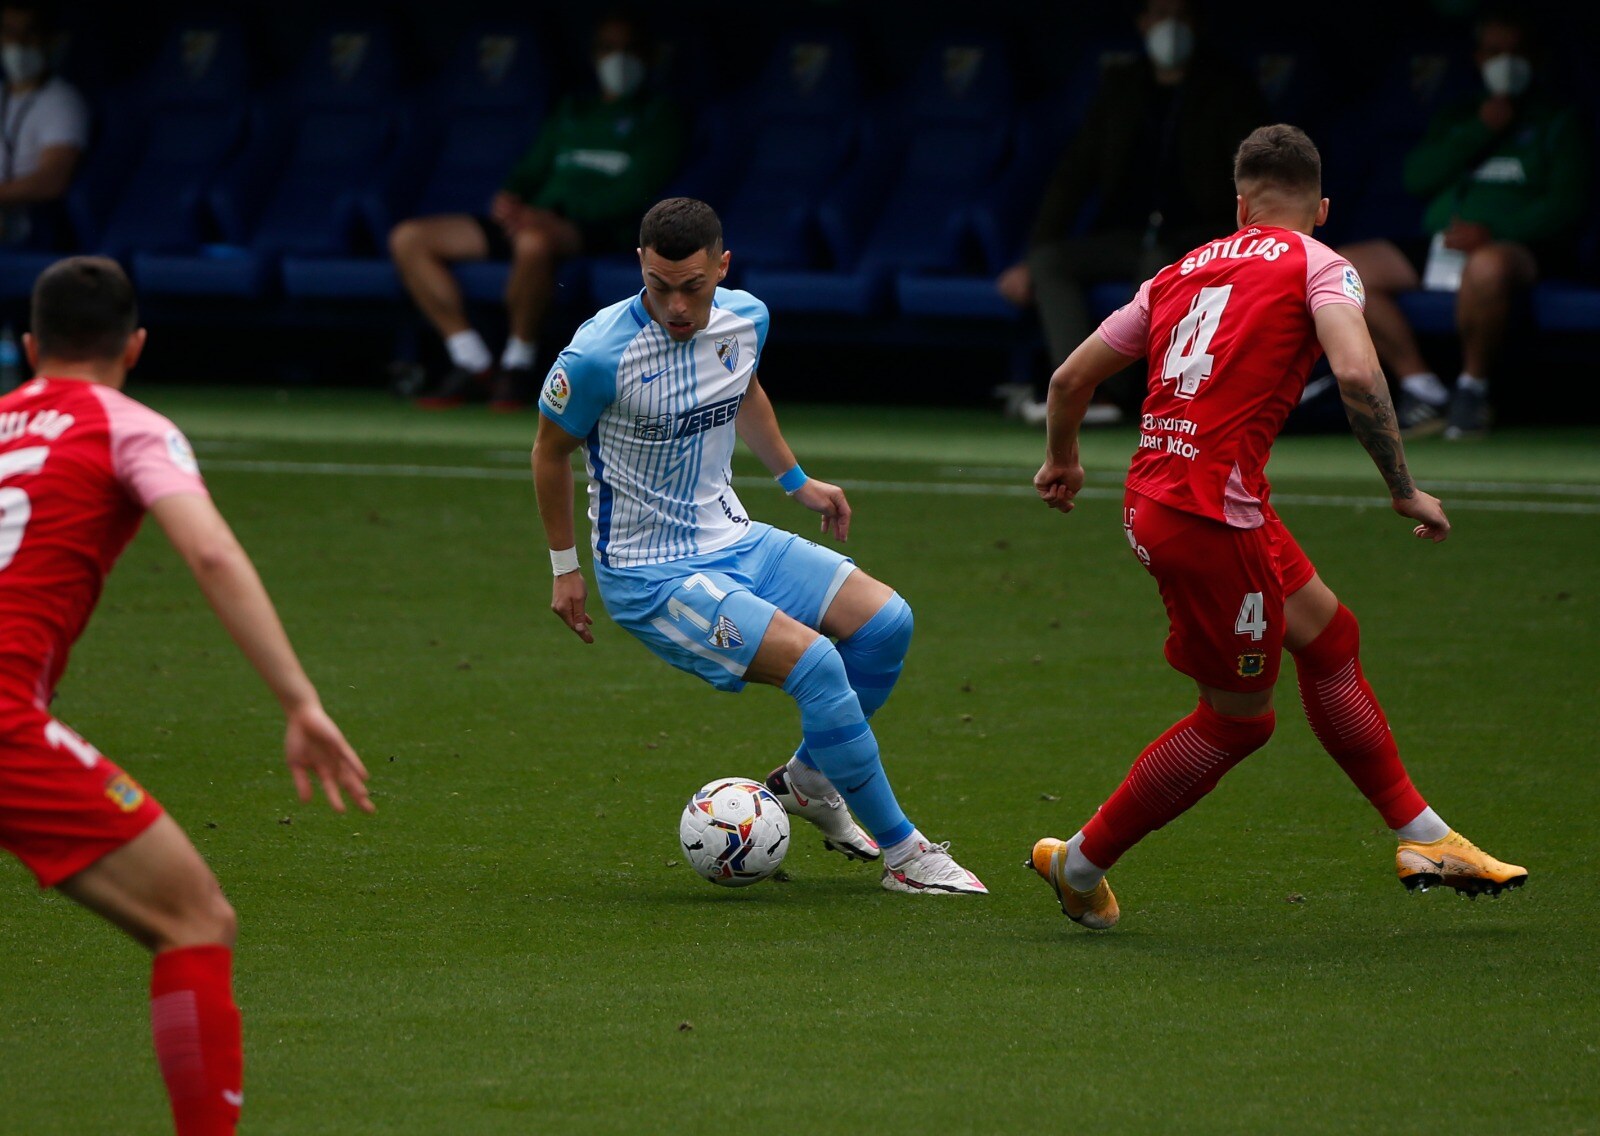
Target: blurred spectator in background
point(597, 164)
point(44, 124)
point(1156, 153)
point(1505, 176)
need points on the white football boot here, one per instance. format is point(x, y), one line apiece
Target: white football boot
point(840, 832)
point(931, 870)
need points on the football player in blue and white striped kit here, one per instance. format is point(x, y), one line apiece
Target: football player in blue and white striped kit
point(654, 390)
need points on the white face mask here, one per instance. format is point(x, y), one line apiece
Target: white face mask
point(1169, 43)
point(1507, 74)
point(22, 64)
point(620, 73)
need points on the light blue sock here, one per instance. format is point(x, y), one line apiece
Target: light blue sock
point(840, 743)
point(873, 657)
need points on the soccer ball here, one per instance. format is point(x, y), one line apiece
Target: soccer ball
point(734, 832)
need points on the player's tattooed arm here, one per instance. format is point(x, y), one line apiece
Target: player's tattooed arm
point(1372, 419)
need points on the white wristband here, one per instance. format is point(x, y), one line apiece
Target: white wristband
point(564, 561)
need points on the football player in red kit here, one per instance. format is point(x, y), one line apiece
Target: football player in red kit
point(1232, 331)
point(80, 465)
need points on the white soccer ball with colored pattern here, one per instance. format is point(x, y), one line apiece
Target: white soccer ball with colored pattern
point(734, 832)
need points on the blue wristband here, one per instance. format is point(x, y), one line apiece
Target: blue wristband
point(792, 478)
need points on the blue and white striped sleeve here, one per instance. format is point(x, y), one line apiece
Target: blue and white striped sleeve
point(578, 387)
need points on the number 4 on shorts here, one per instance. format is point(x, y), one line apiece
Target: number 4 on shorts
point(1252, 618)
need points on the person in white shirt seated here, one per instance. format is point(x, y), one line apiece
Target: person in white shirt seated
point(44, 123)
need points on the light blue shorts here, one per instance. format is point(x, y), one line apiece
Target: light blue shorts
point(707, 614)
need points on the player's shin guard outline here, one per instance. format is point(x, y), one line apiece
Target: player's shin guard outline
point(873, 658)
point(840, 742)
point(196, 1030)
point(1170, 777)
point(1347, 720)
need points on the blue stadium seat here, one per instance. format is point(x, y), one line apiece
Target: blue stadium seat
point(316, 145)
point(162, 142)
point(475, 121)
point(1566, 306)
point(791, 135)
point(905, 205)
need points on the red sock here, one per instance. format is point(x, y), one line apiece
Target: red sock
point(1174, 771)
point(197, 1036)
point(1346, 717)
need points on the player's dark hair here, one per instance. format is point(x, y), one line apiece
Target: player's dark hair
point(1279, 155)
point(83, 309)
point(679, 227)
point(42, 11)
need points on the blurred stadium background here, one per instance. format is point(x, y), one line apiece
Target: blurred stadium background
point(876, 166)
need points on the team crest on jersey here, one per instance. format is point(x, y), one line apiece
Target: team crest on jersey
point(726, 634)
point(1353, 286)
point(652, 427)
point(728, 351)
point(180, 453)
point(124, 792)
point(1252, 664)
point(556, 391)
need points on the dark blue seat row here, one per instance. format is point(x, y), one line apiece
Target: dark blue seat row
point(836, 199)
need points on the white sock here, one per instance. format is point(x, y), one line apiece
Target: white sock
point(809, 782)
point(469, 352)
point(1472, 383)
point(1080, 873)
point(897, 854)
point(1426, 386)
point(518, 353)
point(1425, 827)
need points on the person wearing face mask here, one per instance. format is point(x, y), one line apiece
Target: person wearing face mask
point(1505, 176)
point(44, 127)
point(1154, 156)
point(598, 162)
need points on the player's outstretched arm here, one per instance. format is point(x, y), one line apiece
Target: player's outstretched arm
point(1071, 388)
point(758, 427)
point(312, 742)
point(553, 448)
point(1342, 331)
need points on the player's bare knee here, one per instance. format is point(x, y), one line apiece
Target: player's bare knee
point(206, 919)
point(531, 248)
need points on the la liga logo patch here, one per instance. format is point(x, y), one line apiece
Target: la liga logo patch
point(557, 391)
point(1353, 286)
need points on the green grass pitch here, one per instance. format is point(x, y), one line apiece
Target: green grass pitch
point(511, 944)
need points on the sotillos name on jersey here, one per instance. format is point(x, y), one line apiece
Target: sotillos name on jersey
point(1267, 248)
point(46, 424)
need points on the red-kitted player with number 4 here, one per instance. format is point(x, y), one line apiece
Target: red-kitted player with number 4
point(1232, 331)
point(80, 464)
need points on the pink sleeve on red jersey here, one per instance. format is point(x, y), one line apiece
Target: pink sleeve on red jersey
point(1127, 329)
point(150, 456)
point(1330, 279)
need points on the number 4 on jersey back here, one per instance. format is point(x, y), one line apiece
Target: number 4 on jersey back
point(1188, 358)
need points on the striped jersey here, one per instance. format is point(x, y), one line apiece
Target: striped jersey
point(657, 420)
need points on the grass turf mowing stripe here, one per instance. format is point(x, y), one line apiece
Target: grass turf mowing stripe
point(935, 488)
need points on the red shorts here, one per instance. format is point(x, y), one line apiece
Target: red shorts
point(1224, 589)
point(62, 804)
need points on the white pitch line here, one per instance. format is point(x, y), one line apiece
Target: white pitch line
point(932, 488)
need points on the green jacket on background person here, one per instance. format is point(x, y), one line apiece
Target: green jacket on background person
point(1526, 183)
point(600, 164)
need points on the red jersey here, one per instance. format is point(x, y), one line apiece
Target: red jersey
point(79, 465)
point(1229, 334)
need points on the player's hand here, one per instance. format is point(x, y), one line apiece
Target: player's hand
point(568, 596)
point(502, 205)
point(312, 743)
point(1496, 112)
point(1425, 509)
point(1466, 235)
point(1057, 485)
point(1016, 284)
point(829, 500)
